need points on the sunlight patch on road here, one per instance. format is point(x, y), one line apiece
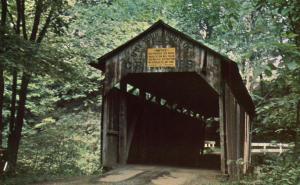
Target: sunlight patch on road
point(123, 175)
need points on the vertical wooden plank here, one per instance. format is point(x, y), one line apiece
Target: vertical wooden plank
point(222, 135)
point(105, 161)
point(242, 129)
point(238, 137)
point(247, 143)
point(222, 124)
point(233, 107)
point(122, 124)
point(228, 130)
point(110, 142)
point(102, 121)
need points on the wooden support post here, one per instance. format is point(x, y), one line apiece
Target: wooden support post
point(110, 136)
point(247, 143)
point(104, 124)
point(222, 124)
point(122, 125)
point(239, 170)
point(228, 122)
point(101, 123)
point(234, 136)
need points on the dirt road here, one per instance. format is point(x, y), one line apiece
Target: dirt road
point(149, 175)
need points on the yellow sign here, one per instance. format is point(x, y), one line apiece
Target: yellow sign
point(161, 57)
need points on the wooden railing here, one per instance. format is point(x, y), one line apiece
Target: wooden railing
point(209, 144)
point(270, 147)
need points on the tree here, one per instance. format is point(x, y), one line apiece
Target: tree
point(44, 13)
point(2, 34)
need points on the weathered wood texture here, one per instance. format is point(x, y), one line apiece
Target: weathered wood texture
point(122, 123)
point(110, 128)
point(247, 143)
point(237, 134)
point(189, 58)
point(222, 127)
point(128, 123)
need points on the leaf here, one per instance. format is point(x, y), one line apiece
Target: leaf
point(268, 72)
point(293, 65)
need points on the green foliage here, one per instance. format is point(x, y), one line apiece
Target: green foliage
point(61, 134)
point(67, 143)
point(277, 170)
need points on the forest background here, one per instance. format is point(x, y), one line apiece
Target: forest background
point(50, 98)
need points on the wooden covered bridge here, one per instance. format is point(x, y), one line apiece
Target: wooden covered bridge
point(159, 89)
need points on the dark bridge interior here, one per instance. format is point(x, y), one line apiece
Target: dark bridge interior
point(165, 118)
point(187, 90)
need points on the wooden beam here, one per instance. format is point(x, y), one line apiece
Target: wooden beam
point(229, 128)
point(238, 136)
point(222, 124)
point(104, 123)
point(110, 122)
point(122, 125)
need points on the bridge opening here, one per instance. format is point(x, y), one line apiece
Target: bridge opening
point(166, 119)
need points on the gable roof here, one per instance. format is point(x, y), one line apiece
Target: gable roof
point(231, 71)
point(159, 24)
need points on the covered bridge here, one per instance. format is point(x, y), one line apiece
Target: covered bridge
point(159, 89)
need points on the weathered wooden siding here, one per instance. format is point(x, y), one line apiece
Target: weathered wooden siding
point(237, 135)
point(120, 119)
point(222, 124)
point(189, 58)
point(110, 128)
point(247, 143)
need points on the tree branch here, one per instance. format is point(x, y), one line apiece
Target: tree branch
point(37, 18)
point(12, 20)
point(45, 27)
point(23, 19)
point(4, 12)
point(18, 24)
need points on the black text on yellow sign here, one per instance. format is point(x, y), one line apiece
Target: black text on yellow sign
point(161, 57)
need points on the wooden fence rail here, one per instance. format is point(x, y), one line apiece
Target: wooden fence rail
point(270, 147)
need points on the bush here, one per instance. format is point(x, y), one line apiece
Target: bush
point(284, 170)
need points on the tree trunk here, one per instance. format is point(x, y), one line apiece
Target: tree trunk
point(37, 18)
point(2, 32)
point(261, 84)
point(13, 106)
point(22, 9)
point(19, 17)
point(297, 139)
point(1, 102)
point(16, 134)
